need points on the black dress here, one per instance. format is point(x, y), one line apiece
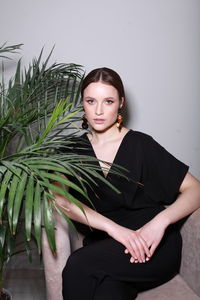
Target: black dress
point(100, 269)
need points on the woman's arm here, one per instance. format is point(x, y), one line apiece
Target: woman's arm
point(131, 240)
point(187, 202)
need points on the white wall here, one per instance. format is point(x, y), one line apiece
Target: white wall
point(153, 44)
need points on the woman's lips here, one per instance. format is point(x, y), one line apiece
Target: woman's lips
point(99, 121)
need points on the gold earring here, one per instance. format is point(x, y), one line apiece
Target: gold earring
point(119, 121)
point(85, 122)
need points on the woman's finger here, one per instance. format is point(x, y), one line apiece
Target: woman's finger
point(136, 250)
point(138, 246)
point(142, 248)
point(131, 250)
point(145, 247)
point(153, 248)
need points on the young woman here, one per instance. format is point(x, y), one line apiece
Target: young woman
point(135, 243)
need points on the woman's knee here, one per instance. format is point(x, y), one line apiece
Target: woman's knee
point(74, 261)
point(78, 265)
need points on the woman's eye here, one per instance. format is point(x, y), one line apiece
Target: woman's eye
point(90, 101)
point(108, 101)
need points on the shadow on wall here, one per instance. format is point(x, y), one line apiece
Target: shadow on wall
point(129, 111)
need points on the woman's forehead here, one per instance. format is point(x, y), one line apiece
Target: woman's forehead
point(100, 88)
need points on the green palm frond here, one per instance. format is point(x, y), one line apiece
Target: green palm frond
point(9, 49)
point(28, 100)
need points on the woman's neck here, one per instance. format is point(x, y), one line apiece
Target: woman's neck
point(110, 134)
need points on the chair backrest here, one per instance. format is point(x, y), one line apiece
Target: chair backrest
point(190, 264)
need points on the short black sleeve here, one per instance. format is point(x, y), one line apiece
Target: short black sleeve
point(162, 172)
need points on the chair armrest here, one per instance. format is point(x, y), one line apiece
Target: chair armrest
point(190, 265)
point(76, 238)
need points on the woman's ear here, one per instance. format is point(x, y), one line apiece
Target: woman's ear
point(122, 102)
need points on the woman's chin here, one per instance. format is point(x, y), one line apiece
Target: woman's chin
point(101, 128)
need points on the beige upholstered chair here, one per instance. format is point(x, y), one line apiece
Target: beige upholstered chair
point(185, 285)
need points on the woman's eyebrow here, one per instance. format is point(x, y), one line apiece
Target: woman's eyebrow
point(88, 97)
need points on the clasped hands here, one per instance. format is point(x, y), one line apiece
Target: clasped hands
point(142, 243)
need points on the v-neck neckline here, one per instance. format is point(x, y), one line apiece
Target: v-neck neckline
point(116, 155)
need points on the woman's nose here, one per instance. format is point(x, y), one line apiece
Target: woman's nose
point(99, 109)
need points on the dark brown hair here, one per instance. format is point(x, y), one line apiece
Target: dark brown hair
point(106, 75)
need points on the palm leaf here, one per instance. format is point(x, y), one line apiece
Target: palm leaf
point(37, 219)
point(49, 223)
point(11, 197)
point(18, 200)
point(29, 206)
point(3, 190)
point(9, 49)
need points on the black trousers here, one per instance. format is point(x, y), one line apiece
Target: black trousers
point(101, 271)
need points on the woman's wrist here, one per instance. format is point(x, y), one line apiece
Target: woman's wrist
point(163, 219)
point(108, 226)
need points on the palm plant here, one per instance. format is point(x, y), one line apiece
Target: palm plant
point(36, 107)
point(26, 104)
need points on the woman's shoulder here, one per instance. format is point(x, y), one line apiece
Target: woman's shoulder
point(146, 141)
point(140, 136)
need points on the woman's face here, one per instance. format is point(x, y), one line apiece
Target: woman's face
point(101, 105)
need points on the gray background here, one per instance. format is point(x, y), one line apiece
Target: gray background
point(153, 44)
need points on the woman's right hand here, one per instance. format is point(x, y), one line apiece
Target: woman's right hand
point(132, 241)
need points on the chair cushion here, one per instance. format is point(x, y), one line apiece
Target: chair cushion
point(175, 289)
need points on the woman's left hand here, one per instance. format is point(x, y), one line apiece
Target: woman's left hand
point(152, 233)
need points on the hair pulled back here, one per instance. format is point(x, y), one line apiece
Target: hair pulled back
point(104, 75)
